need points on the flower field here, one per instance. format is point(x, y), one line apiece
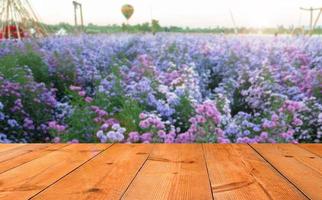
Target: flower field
point(164, 89)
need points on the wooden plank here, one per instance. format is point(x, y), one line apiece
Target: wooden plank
point(6, 147)
point(15, 152)
point(314, 148)
point(26, 155)
point(172, 172)
point(302, 168)
point(238, 172)
point(105, 177)
point(27, 180)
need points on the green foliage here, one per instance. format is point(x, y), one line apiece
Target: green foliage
point(129, 114)
point(14, 74)
point(239, 103)
point(184, 111)
point(128, 109)
point(81, 126)
point(12, 67)
point(318, 88)
point(30, 96)
point(156, 27)
point(64, 75)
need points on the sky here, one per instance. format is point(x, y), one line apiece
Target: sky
point(192, 13)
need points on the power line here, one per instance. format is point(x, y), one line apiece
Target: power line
point(313, 22)
point(233, 20)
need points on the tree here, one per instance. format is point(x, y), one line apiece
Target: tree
point(155, 26)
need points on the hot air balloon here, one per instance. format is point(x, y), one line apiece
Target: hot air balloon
point(127, 11)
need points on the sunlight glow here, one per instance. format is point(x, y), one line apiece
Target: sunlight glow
point(195, 13)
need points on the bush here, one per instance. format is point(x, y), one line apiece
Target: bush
point(167, 88)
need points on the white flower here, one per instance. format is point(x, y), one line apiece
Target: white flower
point(111, 135)
point(320, 117)
point(116, 126)
point(103, 139)
point(163, 89)
point(104, 126)
point(119, 137)
point(121, 130)
point(101, 89)
point(99, 134)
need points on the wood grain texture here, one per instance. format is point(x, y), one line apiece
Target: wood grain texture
point(238, 172)
point(6, 147)
point(160, 171)
point(27, 180)
point(172, 172)
point(20, 156)
point(313, 148)
point(105, 177)
point(302, 168)
point(15, 152)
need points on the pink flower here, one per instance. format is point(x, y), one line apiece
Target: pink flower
point(275, 117)
point(82, 93)
point(143, 116)
point(55, 126)
point(144, 124)
point(219, 132)
point(297, 122)
point(134, 137)
point(288, 135)
point(74, 141)
point(97, 119)
point(102, 113)
point(222, 140)
point(56, 140)
point(200, 119)
point(105, 126)
point(264, 135)
point(94, 108)
point(88, 99)
point(75, 88)
point(161, 134)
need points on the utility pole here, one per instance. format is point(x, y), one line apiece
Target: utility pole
point(79, 6)
point(312, 10)
point(234, 22)
point(317, 19)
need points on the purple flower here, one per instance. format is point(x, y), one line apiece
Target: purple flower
point(134, 137)
point(82, 93)
point(75, 88)
point(2, 116)
point(57, 127)
point(146, 138)
point(88, 99)
point(13, 123)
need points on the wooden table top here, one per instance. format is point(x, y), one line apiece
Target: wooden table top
point(160, 171)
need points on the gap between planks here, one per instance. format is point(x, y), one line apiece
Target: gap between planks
point(175, 171)
point(22, 156)
point(71, 171)
point(239, 172)
point(107, 175)
point(302, 168)
point(28, 179)
point(313, 148)
point(140, 172)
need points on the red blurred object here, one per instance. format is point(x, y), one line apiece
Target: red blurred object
point(12, 31)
